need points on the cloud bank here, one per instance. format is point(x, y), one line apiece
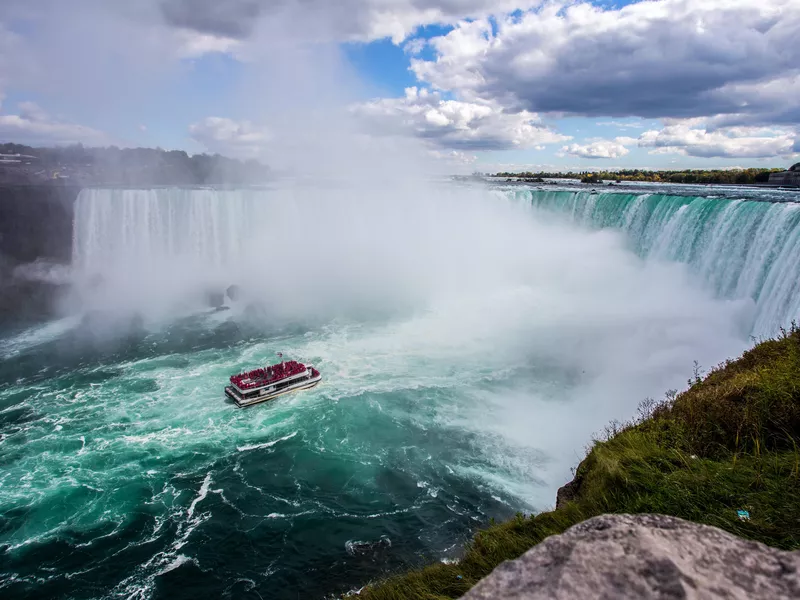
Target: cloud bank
point(458, 125)
point(722, 76)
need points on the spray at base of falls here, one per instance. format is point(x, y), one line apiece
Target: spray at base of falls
point(738, 248)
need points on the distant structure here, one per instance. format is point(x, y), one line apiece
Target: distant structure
point(790, 178)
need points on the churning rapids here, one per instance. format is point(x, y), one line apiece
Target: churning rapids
point(471, 342)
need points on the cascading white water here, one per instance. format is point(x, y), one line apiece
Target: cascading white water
point(116, 228)
point(739, 248)
point(163, 240)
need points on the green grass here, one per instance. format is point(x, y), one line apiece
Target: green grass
point(729, 442)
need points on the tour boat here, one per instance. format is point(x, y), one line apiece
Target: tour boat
point(260, 385)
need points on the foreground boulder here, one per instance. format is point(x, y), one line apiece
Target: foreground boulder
point(644, 556)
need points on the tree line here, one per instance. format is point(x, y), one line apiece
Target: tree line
point(126, 166)
point(720, 176)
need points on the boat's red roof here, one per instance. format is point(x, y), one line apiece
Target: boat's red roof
point(261, 377)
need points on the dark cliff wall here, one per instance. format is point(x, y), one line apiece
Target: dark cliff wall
point(36, 222)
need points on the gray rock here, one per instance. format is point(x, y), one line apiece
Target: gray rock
point(234, 292)
point(644, 556)
point(567, 493)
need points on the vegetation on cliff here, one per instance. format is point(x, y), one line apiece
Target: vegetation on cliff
point(705, 176)
point(730, 442)
point(80, 165)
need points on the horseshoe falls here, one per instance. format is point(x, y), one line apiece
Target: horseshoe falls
point(738, 248)
point(471, 340)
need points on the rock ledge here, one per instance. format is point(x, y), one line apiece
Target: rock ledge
point(643, 557)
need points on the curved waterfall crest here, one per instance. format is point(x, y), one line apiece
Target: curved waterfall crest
point(740, 248)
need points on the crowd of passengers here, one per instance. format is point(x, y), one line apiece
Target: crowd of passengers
point(260, 377)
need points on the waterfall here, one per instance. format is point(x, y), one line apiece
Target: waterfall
point(171, 238)
point(739, 248)
point(117, 227)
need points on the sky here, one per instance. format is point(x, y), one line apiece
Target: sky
point(478, 85)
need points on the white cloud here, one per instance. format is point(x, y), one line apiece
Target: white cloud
point(663, 58)
point(599, 148)
point(32, 112)
point(192, 44)
point(229, 137)
point(691, 138)
point(457, 125)
point(414, 46)
point(735, 63)
point(34, 126)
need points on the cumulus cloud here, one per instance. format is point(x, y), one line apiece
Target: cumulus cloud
point(664, 58)
point(192, 44)
point(225, 19)
point(505, 63)
point(599, 148)
point(34, 126)
point(691, 138)
point(457, 125)
point(229, 137)
point(414, 46)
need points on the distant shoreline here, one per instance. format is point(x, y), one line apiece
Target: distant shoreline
point(737, 177)
point(607, 182)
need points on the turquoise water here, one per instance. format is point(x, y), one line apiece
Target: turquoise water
point(469, 347)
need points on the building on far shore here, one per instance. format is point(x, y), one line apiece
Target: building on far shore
point(787, 178)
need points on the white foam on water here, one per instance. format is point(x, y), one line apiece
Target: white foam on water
point(40, 334)
point(200, 496)
point(178, 562)
point(266, 444)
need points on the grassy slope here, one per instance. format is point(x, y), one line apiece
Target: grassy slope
point(731, 441)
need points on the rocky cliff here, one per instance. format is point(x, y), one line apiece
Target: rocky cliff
point(35, 225)
point(642, 557)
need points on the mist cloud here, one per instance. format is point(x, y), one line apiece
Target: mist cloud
point(240, 139)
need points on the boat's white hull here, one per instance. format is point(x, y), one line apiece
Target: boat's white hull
point(243, 402)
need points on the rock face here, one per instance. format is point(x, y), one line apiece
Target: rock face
point(36, 222)
point(641, 557)
point(567, 493)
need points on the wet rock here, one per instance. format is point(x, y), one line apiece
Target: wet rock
point(368, 549)
point(234, 292)
point(567, 493)
point(215, 299)
point(644, 557)
point(254, 312)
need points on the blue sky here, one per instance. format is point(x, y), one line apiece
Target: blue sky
point(484, 85)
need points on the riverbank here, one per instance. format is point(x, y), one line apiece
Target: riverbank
point(712, 176)
point(729, 443)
